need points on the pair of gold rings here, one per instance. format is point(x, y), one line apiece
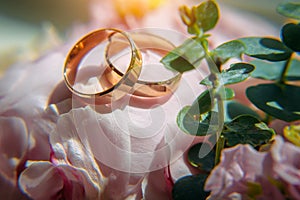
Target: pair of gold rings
point(119, 57)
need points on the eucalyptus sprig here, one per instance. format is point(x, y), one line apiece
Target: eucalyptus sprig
point(214, 112)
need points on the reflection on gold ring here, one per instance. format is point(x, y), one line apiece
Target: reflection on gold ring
point(123, 84)
point(145, 42)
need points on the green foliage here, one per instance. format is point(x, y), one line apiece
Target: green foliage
point(227, 94)
point(290, 34)
point(185, 57)
point(289, 9)
point(246, 129)
point(231, 49)
point(197, 124)
point(190, 188)
point(207, 15)
point(238, 72)
point(266, 48)
point(202, 104)
point(206, 163)
point(234, 109)
point(272, 70)
point(201, 18)
point(199, 119)
point(275, 61)
point(198, 19)
point(278, 100)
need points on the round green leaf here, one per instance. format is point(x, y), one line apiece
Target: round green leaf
point(202, 104)
point(231, 49)
point(198, 119)
point(289, 9)
point(290, 34)
point(266, 48)
point(185, 57)
point(238, 72)
point(293, 73)
point(234, 109)
point(190, 188)
point(207, 15)
point(195, 158)
point(227, 94)
point(279, 101)
point(267, 70)
point(197, 124)
point(272, 70)
point(246, 129)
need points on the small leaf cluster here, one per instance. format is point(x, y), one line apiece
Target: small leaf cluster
point(273, 59)
point(277, 62)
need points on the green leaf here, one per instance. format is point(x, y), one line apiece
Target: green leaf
point(227, 94)
point(202, 104)
point(246, 129)
point(279, 101)
point(238, 72)
point(231, 49)
point(181, 117)
point(196, 159)
point(272, 70)
point(290, 34)
point(190, 188)
point(266, 48)
point(267, 70)
point(289, 9)
point(194, 29)
point(234, 109)
point(197, 124)
point(207, 15)
point(184, 57)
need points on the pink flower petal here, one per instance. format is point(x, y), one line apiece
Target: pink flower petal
point(238, 165)
point(41, 181)
point(13, 145)
point(25, 88)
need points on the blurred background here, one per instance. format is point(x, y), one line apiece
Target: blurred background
point(27, 26)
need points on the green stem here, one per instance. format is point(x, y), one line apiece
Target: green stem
point(216, 98)
point(219, 148)
point(285, 70)
point(220, 137)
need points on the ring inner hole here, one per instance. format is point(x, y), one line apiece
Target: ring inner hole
point(90, 77)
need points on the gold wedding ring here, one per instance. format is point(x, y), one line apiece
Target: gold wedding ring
point(111, 91)
point(145, 89)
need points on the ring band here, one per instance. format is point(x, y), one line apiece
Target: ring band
point(146, 89)
point(121, 86)
point(147, 94)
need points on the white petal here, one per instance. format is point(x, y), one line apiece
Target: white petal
point(25, 88)
point(13, 145)
point(41, 181)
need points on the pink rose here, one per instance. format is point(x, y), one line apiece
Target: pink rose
point(241, 172)
point(285, 165)
point(245, 172)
